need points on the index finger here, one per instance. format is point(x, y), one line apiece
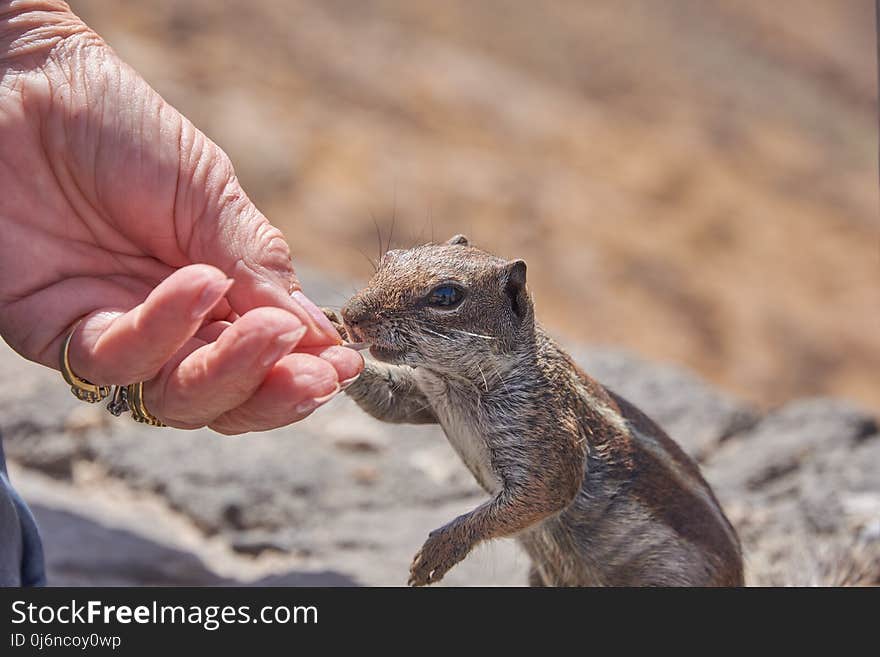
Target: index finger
point(254, 289)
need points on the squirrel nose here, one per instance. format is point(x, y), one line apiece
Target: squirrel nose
point(355, 312)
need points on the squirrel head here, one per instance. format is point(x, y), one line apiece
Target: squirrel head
point(441, 306)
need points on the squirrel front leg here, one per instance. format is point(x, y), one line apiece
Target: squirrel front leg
point(528, 497)
point(387, 392)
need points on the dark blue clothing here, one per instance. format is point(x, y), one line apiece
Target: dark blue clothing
point(21, 551)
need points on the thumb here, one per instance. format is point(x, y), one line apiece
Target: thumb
point(230, 233)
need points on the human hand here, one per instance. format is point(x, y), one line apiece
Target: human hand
point(116, 211)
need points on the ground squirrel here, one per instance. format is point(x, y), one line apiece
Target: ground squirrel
point(595, 492)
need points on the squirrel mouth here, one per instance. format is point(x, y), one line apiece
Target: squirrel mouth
point(381, 351)
point(385, 353)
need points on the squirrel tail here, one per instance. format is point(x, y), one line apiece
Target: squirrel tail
point(855, 562)
point(855, 565)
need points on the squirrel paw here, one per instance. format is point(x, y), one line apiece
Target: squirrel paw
point(337, 323)
point(444, 548)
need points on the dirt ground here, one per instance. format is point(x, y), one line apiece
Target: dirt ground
point(694, 181)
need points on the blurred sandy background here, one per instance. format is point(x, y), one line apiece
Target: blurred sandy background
point(694, 181)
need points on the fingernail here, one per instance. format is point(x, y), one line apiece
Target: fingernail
point(356, 346)
point(311, 404)
point(282, 345)
point(326, 398)
point(316, 314)
point(306, 407)
point(344, 384)
point(210, 296)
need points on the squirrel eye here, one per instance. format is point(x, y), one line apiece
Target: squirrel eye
point(445, 296)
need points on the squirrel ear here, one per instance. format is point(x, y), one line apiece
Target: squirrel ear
point(515, 286)
point(457, 240)
point(516, 272)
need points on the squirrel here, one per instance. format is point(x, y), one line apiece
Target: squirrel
point(594, 491)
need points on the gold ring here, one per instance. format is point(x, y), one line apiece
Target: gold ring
point(82, 389)
point(139, 412)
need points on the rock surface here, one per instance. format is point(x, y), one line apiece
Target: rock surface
point(341, 499)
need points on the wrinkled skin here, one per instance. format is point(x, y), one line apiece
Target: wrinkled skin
point(118, 217)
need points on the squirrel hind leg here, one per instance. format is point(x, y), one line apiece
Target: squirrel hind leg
point(535, 578)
